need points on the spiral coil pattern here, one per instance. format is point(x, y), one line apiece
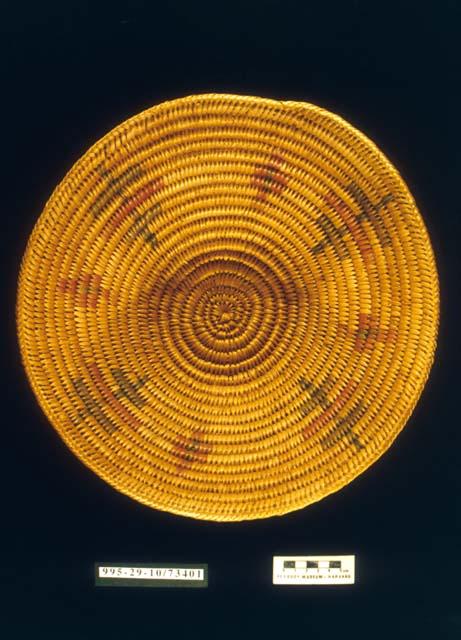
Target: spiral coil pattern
point(229, 306)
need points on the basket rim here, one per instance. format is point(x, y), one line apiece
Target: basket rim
point(21, 302)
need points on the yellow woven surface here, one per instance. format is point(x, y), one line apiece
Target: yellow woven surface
point(229, 306)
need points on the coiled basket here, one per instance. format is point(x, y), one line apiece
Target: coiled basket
point(229, 306)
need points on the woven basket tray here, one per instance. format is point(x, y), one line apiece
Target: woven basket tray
point(229, 306)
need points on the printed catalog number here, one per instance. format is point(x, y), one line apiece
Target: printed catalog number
point(151, 574)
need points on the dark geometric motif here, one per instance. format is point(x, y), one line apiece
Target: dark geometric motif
point(141, 221)
point(352, 223)
point(114, 188)
point(332, 412)
point(126, 389)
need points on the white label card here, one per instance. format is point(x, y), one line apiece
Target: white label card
point(150, 575)
point(298, 570)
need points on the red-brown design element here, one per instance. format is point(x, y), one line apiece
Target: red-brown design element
point(86, 289)
point(269, 178)
point(111, 398)
point(369, 332)
point(333, 234)
point(352, 223)
point(331, 410)
point(191, 449)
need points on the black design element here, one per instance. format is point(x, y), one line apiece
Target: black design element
point(129, 389)
point(333, 235)
point(92, 407)
point(115, 187)
point(343, 428)
point(140, 226)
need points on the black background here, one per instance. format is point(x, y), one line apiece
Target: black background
point(71, 70)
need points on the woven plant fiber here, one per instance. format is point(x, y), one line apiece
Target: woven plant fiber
point(228, 308)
